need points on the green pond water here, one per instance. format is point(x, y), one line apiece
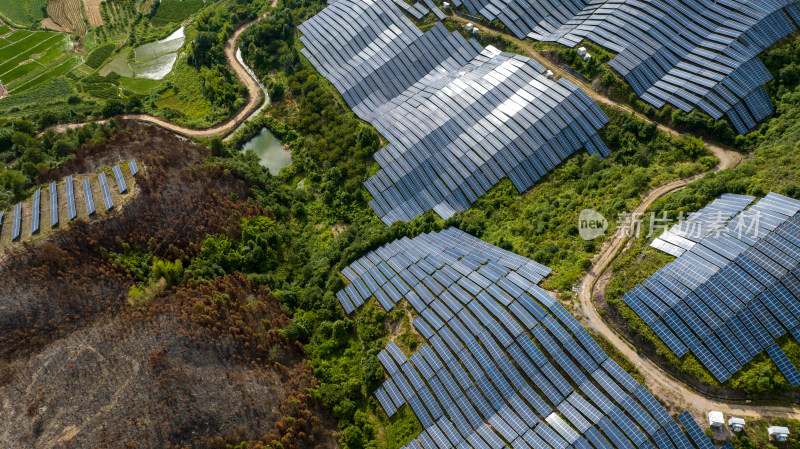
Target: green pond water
point(270, 151)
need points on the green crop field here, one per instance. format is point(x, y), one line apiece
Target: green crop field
point(4, 29)
point(22, 12)
point(63, 66)
point(31, 58)
point(177, 10)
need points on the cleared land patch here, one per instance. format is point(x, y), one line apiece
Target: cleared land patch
point(91, 9)
point(67, 15)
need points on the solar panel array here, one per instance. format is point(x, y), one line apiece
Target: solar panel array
point(505, 363)
point(458, 117)
point(121, 185)
point(685, 53)
point(36, 203)
point(733, 292)
point(700, 224)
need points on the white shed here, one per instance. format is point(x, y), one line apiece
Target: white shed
point(736, 424)
point(777, 433)
point(581, 51)
point(715, 420)
point(468, 27)
point(549, 74)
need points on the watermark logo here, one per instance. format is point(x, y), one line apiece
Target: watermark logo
point(591, 224)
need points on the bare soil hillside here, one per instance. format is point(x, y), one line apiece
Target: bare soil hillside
point(198, 365)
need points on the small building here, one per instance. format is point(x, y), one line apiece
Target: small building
point(468, 27)
point(587, 57)
point(549, 74)
point(777, 433)
point(446, 6)
point(581, 51)
point(475, 31)
point(736, 424)
point(715, 420)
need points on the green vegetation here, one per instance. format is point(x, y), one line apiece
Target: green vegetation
point(542, 223)
point(331, 153)
point(313, 219)
point(755, 434)
point(99, 55)
point(22, 12)
point(33, 59)
point(197, 93)
point(25, 156)
point(176, 10)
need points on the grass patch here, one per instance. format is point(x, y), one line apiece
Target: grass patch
point(139, 86)
point(176, 10)
point(99, 55)
point(22, 12)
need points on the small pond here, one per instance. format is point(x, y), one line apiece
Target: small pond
point(270, 151)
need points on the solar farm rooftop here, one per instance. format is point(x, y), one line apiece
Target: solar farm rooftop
point(505, 363)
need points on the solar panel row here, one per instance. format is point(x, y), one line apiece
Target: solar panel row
point(505, 363)
point(72, 212)
point(16, 230)
point(36, 211)
point(105, 191)
point(458, 117)
point(88, 198)
point(734, 291)
point(681, 52)
point(53, 205)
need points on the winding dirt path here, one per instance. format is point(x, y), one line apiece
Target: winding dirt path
point(255, 98)
point(658, 381)
point(661, 383)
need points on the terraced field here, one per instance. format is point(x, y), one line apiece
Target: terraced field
point(22, 12)
point(30, 58)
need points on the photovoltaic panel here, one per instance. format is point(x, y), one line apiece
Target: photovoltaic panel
point(88, 198)
point(53, 205)
point(121, 185)
point(16, 230)
point(133, 167)
point(712, 64)
point(105, 191)
point(483, 374)
point(731, 294)
point(72, 211)
point(458, 117)
point(36, 211)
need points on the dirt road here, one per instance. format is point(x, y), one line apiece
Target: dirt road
point(255, 98)
point(661, 383)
